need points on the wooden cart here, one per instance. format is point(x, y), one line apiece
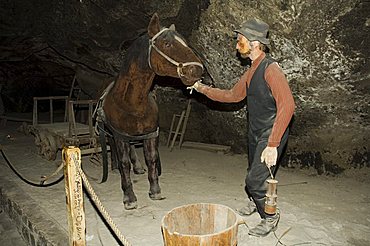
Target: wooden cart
point(51, 137)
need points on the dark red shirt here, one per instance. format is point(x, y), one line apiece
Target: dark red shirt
point(281, 92)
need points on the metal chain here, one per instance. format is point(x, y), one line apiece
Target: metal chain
point(99, 205)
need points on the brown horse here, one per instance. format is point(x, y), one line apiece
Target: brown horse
point(130, 112)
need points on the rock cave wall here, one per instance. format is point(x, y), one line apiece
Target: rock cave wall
point(321, 45)
point(329, 77)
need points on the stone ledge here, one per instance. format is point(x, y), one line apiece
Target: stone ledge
point(35, 226)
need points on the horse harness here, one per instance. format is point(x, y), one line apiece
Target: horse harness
point(100, 117)
point(179, 65)
point(99, 108)
point(100, 129)
point(99, 114)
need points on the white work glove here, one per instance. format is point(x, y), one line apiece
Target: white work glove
point(269, 156)
point(195, 86)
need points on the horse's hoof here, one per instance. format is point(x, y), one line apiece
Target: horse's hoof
point(157, 196)
point(139, 170)
point(130, 205)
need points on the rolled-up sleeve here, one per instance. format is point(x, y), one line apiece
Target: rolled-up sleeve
point(285, 105)
point(235, 94)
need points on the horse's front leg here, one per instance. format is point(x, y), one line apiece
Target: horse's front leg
point(135, 161)
point(153, 163)
point(124, 166)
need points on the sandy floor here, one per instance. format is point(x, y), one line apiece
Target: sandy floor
point(315, 210)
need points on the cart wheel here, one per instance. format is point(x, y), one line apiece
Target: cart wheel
point(38, 143)
point(52, 149)
point(48, 146)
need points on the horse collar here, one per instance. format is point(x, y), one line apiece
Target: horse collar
point(179, 65)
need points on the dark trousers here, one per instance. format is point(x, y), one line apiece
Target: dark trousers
point(258, 173)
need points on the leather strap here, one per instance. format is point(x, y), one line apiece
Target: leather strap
point(104, 151)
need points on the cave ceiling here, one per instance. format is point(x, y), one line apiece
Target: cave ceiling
point(44, 42)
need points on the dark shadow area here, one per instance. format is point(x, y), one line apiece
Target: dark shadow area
point(219, 106)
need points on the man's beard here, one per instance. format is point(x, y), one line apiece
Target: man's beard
point(245, 55)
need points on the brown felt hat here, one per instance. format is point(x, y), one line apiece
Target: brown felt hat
point(255, 30)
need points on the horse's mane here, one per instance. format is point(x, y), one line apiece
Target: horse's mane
point(138, 52)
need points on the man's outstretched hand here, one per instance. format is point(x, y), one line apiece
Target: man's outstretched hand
point(195, 86)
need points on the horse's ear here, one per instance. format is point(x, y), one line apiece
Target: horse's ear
point(172, 27)
point(154, 26)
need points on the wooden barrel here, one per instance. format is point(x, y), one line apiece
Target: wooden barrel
point(200, 224)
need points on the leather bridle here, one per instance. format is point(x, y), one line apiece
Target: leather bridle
point(179, 65)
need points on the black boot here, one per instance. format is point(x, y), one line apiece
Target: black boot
point(249, 209)
point(265, 226)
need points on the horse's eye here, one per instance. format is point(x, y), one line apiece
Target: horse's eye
point(167, 44)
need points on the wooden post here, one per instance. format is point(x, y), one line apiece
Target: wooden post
point(74, 196)
point(188, 109)
point(51, 111)
point(177, 129)
point(34, 115)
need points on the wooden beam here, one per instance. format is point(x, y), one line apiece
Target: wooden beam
point(74, 196)
point(207, 147)
point(177, 129)
point(93, 150)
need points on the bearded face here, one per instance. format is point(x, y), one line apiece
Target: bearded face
point(243, 46)
point(245, 55)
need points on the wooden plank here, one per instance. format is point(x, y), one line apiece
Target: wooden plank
point(5, 118)
point(206, 146)
point(51, 110)
point(74, 196)
point(188, 109)
point(177, 129)
point(10, 118)
point(93, 150)
point(61, 128)
point(171, 129)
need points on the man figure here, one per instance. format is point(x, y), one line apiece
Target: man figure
point(270, 109)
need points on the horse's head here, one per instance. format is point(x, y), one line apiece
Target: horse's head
point(169, 55)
